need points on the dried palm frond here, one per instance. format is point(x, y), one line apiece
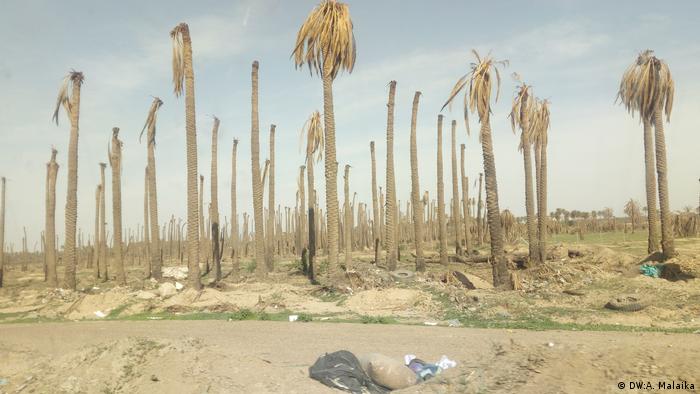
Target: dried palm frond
point(647, 85)
point(522, 111)
point(478, 97)
point(178, 35)
point(313, 132)
point(151, 121)
point(267, 167)
point(64, 93)
point(540, 123)
point(326, 36)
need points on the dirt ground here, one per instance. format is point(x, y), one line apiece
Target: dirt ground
point(273, 357)
point(105, 338)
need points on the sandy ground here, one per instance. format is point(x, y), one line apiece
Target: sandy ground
point(273, 357)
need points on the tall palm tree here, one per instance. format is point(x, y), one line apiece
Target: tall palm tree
point(520, 114)
point(96, 249)
point(103, 224)
point(391, 218)
point(71, 104)
point(271, 204)
point(540, 127)
point(50, 231)
point(184, 72)
point(214, 185)
point(326, 44)
point(456, 216)
point(478, 99)
point(347, 221)
point(465, 200)
point(441, 196)
point(633, 212)
point(415, 188)
point(150, 128)
point(235, 237)
point(2, 230)
point(312, 131)
point(376, 222)
point(648, 88)
point(115, 161)
point(260, 266)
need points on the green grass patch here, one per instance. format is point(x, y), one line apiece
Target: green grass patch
point(377, 320)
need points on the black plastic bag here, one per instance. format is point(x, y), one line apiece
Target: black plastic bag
point(342, 370)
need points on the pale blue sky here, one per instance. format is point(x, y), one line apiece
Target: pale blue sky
point(572, 52)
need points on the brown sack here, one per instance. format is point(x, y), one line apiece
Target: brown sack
point(387, 372)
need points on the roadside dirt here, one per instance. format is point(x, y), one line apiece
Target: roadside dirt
point(273, 357)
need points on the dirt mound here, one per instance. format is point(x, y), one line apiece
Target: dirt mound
point(398, 302)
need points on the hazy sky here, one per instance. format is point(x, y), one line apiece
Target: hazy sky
point(572, 52)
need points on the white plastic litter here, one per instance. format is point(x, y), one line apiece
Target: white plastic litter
point(430, 323)
point(293, 317)
point(179, 286)
point(446, 363)
point(100, 314)
point(408, 358)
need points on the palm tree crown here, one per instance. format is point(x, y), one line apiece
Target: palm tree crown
point(647, 85)
point(313, 132)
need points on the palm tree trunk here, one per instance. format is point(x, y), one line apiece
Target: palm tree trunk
point(667, 245)
point(2, 230)
point(331, 168)
point(479, 208)
point(235, 237)
point(96, 249)
point(50, 249)
point(69, 252)
point(270, 256)
point(347, 229)
point(191, 138)
point(260, 266)
point(376, 221)
point(442, 225)
point(103, 224)
point(390, 183)
point(415, 188)
point(155, 248)
point(534, 253)
point(115, 163)
point(214, 185)
point(465, 200)
point(202, 232)
point(312, 219)
point(456, 215)
point(146, 227)
point(501, 277)
point(542, 206)
point(301, 228)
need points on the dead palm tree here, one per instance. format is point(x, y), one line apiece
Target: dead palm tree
point(115, 161)
point(103, 224)
point(312, 131)
point(633, 212)
point(214, 213)
point(540, 128)
point(260, 266)
point(521, 112)
point(376, 222)
point(184, 72)
point(415, 188)
point(96, 250)
point(71, 104)
point(2, 230)
point(648, 88)
point(442, 226)
point(479, 81)
point(347, 221)
point(391, 218)
point(202, 232)
point(270, 256)
point(456, 219)
point(465, 200)
point(235, 237)
point(146, 237)
point(50, 231)
point(155, 250)
point(326, 44)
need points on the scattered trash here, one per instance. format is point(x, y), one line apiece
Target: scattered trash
point(446, 363)
point(325, 318)
point(430, 323)
point(293, 317)
point(179, 286)
point(550, 344)
point(625, 304)
point(387, 372)
point(154, 378)
point(454, 323)
point(402, 275)
point(100, 314)
point(4, 382)
point(95, 288)
point(154, 318)
point(653, 271)
point(342, 370)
